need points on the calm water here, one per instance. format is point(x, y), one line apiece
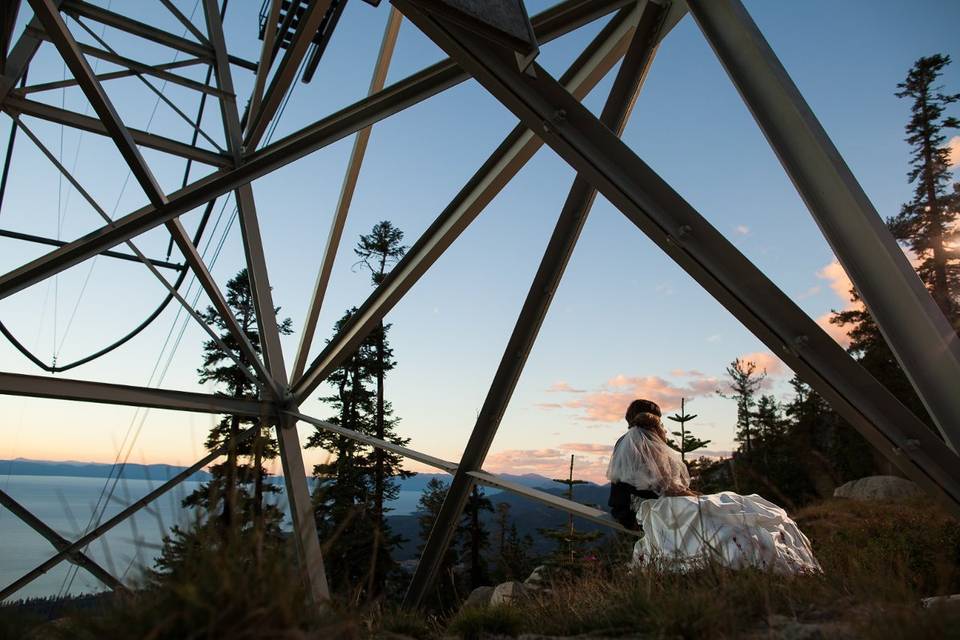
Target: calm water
point(66, 504)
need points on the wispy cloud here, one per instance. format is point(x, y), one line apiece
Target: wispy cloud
point(741, 230)
point(563, 387)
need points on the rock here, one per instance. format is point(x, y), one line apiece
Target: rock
point(478, 598)
point(537, 579)
point(507, 593)
point(952, 602)
point(878, 488)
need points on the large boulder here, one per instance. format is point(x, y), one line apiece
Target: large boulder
point(478, 598)
point(878, 488)
point(507, 593)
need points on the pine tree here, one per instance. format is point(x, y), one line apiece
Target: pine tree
point(379, 251)
point(928, 223)
point(744, 384)
point(475, 537)
point(229, 489)
point(571, 544)
point(687, 442)
point(513, 559)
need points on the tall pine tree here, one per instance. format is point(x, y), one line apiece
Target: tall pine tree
point(237, 488)
point(744, 383)
point(928, 223)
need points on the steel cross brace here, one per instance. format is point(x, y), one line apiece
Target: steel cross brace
point(60, 543)
point(411, 90)
point(650, 30)
point(83, 541)
point(651, 204)
point(291, 457)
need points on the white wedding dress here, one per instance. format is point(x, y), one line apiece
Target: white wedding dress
point(682, 532)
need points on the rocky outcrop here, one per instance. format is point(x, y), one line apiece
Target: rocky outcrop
point(878, 488)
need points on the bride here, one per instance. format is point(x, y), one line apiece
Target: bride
point(650, 489)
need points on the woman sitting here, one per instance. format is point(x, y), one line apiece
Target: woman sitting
point(650, 489)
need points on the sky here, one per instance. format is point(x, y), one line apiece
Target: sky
point(625, 321)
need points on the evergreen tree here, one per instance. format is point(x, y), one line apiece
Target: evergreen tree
point(379, 251)
point(229, 490)
point(687, 442)
point(928, 223)
point(513, 559)
point(744, 384)
point(357, 538)
point(571, 544)
point(475, 537)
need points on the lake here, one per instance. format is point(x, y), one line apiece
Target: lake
point(66, 503)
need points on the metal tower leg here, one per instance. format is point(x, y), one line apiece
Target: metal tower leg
point(916, 329)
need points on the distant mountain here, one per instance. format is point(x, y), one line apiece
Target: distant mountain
point(158, 472)
point(419, 481)
point(527, 514)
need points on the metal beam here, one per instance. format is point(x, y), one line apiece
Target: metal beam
point(346, 197)
point(58, 388)
point(8, 20)
point(83, 541)
point(20, 56)
point(266, 57)
point(27, 237)
point(18, 105)
point(598, 516)
point(307, 27)
point(649, 202)
point(573, 216)
point(111, 75)
point(140, 67)
point(60, 543)
point(427, 459)
point(291, 457)
point(117, 21)
point(57, 30)
point(483, 477)
point(505, 162)
point(185, 21)
point(349, 120)
point(172, 289)
point(918, 332)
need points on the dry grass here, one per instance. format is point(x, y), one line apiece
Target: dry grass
point(878, 561)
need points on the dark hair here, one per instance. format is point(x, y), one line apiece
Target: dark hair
point(639, 407)
point(645, 415)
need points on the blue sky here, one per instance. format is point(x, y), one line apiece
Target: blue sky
point(625, 319)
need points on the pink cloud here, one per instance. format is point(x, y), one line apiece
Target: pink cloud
point(839, 280)
point(609, 404)
point(588, 447)
point(954, 146)
point(563, 387)
point(766, 361)
point(549, 405)
point(552, 463)
point(838, 333)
